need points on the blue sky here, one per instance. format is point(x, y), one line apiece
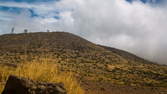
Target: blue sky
point(28, 1)
point(31, 6)
point(141, 24)
point(145, 1)
point(18, 10)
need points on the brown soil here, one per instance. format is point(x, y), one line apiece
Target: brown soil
point(106, 88)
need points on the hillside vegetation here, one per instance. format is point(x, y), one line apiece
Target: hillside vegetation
point(86, 60)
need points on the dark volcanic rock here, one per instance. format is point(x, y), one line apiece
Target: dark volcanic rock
point(16, 85)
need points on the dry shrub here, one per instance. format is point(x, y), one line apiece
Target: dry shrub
point(41, 70)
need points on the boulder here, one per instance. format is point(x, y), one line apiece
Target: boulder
point(16, 85)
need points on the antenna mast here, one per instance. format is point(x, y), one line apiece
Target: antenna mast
point(12, 30)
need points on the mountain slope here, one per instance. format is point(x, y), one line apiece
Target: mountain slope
point(57, 40)
point(88, 61)
point(129, 56)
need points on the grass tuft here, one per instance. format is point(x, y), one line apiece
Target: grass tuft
point(41, 70)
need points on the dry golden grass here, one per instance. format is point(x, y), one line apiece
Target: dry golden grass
point(41, 70)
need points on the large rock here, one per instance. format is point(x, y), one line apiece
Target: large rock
point(16, 85)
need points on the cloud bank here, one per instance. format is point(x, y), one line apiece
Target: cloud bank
point(138, 27)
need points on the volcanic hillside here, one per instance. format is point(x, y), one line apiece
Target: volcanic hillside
point(88, 61)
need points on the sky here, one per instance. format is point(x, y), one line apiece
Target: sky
point(137, 26)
